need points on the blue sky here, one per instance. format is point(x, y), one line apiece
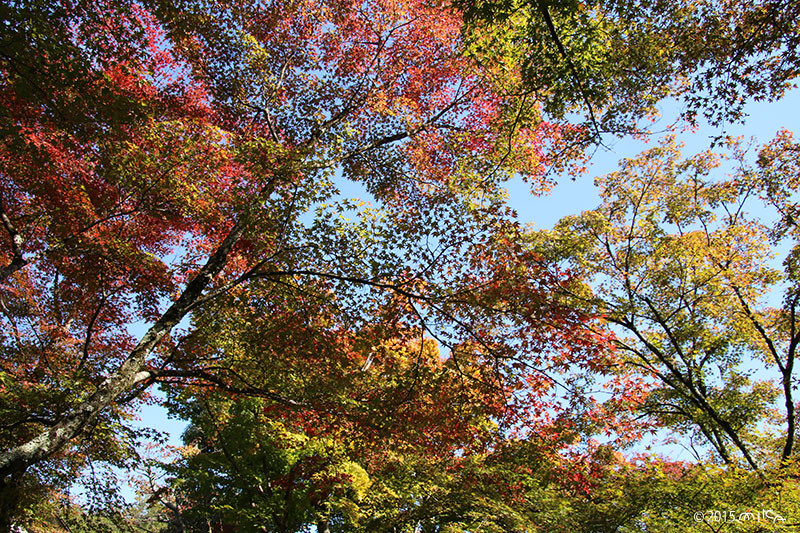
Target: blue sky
point(763, 120)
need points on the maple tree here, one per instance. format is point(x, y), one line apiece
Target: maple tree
point(250, 465)
point(613, 61)
point(399, 423)
point(686, 267)
point(178, 168)
point(247, 468)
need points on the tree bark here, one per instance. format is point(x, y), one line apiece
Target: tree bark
point(18, 261)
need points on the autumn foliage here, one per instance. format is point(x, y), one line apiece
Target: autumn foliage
point(180, 169)
point(291, 217)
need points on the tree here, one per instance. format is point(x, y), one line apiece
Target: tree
point(245, 469)
point(407, 435)
point(260, 467)
point(614, 61)
point(684, 268)
point(178, 168)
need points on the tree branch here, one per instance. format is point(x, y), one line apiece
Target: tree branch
point(127, 376)
point(17, 261)
point(548, 20)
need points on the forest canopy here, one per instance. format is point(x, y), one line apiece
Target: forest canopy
point(288, 223)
